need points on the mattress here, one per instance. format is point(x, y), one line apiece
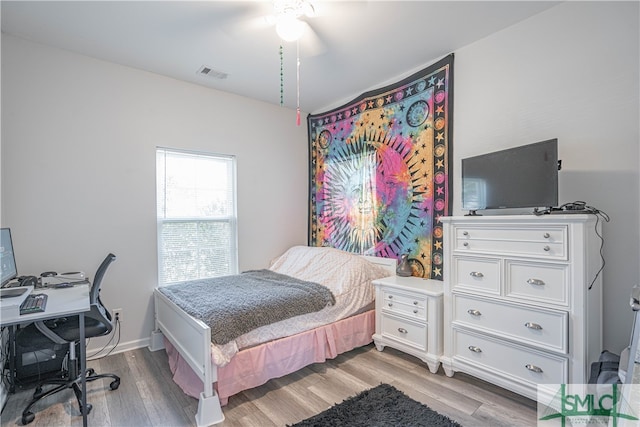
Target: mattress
point(347, 275)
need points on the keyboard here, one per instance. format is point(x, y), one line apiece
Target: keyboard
point(35, 303)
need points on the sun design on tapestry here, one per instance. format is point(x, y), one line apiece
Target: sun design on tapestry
point(380, 171)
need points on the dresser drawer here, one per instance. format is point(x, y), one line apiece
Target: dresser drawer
point(539, 283)
point(539, 242)
point(477, 274)
point(546, 329)
point(410, 333)
point(413, 306)
point(500, 357)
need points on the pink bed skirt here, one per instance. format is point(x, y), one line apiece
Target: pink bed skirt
point(254, 366)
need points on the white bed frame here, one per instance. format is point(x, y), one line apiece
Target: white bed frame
point(192, 339)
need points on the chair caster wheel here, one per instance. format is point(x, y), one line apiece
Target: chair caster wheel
point(114, 384)
point(27, 418)
point(90, 372)
point(89, 407)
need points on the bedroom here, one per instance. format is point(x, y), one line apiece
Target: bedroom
point(102, 121)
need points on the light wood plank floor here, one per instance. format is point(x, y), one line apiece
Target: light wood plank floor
point(148, 396)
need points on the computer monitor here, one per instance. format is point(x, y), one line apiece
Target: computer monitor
point(8, 270)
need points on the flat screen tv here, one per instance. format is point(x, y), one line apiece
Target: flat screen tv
point(519, 177)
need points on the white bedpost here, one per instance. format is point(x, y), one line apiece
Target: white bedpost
point(209, 409)
point(156, 342)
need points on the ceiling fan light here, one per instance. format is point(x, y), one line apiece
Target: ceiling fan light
point(289, 28)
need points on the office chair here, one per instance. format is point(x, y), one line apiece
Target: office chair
point(66, 331)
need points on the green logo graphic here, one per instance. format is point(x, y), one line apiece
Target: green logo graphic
point(603, 404)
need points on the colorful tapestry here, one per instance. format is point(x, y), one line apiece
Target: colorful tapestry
point(380, 171)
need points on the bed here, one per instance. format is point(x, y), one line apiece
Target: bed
point(213, 372)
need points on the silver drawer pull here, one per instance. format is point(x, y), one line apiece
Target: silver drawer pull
point(536, 282)
point(546, 248)
point(390, 304)
point(465, 233)
point(476, 274)
point(390, 296)
point(465, 244)
point(546, 235)
point(402, 330)
point(473, 312)
point(533, 368)
point(415, 311)
point(475, 349)
point(415, 303)
point(532, 325)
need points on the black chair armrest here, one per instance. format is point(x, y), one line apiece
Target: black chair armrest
point(49, 333)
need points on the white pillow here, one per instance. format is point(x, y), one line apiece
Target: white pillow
point(338, 270)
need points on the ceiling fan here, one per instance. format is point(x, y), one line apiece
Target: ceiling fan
point(289, 19)
point(303, 21)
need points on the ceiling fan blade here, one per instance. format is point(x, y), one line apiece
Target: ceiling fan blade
point(311, 43)
point(249, 19)
point(324, 8)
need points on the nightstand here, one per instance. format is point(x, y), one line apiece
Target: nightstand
point(409, 317)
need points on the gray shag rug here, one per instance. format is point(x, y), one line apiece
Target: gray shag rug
point(382, 406)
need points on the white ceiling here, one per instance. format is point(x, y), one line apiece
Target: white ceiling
point(358, 46)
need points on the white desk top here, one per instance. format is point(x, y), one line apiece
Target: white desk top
point(60, 302)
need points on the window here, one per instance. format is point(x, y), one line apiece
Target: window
point(196, 215)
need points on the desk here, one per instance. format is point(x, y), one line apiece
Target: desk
point(61, 302)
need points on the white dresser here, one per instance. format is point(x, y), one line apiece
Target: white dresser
point(409, 317)
point(518, 311)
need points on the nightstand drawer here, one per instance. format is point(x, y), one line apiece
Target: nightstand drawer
point(410, 333)
point(540, 283)
point(546, 329)
point(414, 306)
point(540, 242)
point(510, 360)
point(477, 274)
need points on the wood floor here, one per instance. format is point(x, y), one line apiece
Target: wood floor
point(148, 396)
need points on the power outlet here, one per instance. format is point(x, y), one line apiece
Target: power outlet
point(117, 315)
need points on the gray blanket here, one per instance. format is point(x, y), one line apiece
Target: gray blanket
point(235, 305)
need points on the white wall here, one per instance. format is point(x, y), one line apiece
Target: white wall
point(78, 172)
point(569, 73)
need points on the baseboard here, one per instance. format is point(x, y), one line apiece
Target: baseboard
point(120, 348)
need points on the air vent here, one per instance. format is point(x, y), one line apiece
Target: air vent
point(210, 72)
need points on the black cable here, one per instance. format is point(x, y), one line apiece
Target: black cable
point(117, 331)
point(582, 207)
point(4, 356)
point(605, 217)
